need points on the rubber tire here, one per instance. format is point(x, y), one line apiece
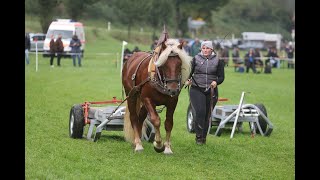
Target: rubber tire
point(149, 133)
point(76, 122)
point(190, 119)
point(262, 122)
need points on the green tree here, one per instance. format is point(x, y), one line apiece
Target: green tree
point(130, 12)
point(273, 16)
point(195, 9)
point(76, 8)
point(160, 13)
point(45, 12)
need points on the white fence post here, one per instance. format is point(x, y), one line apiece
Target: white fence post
point(121, 60)
point(36, 56)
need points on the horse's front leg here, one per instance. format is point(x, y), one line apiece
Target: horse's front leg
point(155, 120)
point(168, 126)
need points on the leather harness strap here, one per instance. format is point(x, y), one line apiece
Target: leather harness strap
point(152, 66)
point(135, 88)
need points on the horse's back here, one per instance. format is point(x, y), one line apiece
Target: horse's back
point(131, 66)
point(135, 59)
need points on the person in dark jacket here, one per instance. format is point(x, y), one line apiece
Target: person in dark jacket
point(75, 45)
point(249, 60)
point(207, 73)
point(273, 57)
point(59, 49)
point(27, 46)
point(290, 55)
point(52, 50)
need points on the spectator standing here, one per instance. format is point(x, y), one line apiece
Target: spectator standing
point(236, 58)
point(186, 47)
point(59, 49)
point(225, 55)
point(290, 55)
point(154, 44)
point(195, 47)
point(52, 50)
point(126, 54)
point(249, 59)
point(273, 57)
point(27, 46)
point(258, 59)
point(207, 72)
point(75, 45)
point(136, 49)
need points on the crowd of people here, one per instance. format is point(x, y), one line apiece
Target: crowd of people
point(56, 49)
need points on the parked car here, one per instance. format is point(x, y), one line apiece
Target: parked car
point(37, 38)
point(250, 44)
point(223, 42)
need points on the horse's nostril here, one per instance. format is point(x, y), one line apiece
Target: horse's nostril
point(173, 93)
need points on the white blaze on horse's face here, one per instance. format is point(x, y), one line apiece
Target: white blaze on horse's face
point(172, 46)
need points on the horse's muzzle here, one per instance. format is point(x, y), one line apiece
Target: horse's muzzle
point(173, 92)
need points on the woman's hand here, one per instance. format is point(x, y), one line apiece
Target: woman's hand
point(213, 84)
point(188, 82)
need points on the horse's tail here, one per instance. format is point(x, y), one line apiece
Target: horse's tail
point(127, 128)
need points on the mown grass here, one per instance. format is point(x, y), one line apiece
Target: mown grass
point(51, 154)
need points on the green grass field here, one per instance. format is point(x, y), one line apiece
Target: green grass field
point(51, 154)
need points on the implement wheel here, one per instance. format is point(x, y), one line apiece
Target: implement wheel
point(262, 122)
point(76, 122)
point(148, 132)
point(190, 119)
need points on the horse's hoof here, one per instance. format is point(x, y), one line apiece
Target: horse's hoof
point(158, 147)
point(167, 151)
point(159, 150)
point(138, 148)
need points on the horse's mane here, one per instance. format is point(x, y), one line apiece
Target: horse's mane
point(172, 45)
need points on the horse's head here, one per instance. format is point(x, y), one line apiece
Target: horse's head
point(174, 66)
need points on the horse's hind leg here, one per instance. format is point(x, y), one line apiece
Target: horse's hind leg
point(134, 123)
point(142, 116)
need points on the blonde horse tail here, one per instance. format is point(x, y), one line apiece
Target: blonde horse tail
point(127, 128)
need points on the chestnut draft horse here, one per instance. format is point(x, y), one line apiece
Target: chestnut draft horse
point(150, 80)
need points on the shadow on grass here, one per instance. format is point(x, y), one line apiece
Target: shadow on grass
point(227, 131)
point(106, 137)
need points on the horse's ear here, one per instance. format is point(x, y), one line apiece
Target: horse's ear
point(163, 46)
point(180, 45)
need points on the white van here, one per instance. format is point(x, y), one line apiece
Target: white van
point(67, 28)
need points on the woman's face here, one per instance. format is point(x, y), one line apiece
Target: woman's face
point(206, 51)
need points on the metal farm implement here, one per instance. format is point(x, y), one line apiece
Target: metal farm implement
point(110, 118)
point(234, 116)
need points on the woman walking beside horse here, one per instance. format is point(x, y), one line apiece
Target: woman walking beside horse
point(207, 72)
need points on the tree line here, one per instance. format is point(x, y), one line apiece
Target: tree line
point(156, 13)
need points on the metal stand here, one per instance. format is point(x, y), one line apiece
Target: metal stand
point(239, 114)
